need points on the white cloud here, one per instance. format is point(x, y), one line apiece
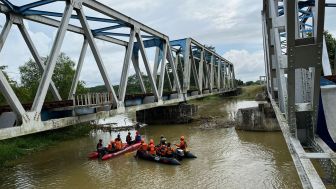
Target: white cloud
point(248, 65)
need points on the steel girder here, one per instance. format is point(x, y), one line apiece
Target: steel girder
point(293, 44)
point(202, 63)
point(210, 71)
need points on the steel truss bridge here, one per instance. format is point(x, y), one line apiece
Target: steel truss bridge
point(204, 72)
point(295, 54)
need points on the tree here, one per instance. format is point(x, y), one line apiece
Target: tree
point(331, 46)
point(62, 77)
point(239, 82)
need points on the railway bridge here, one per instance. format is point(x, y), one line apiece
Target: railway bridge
point(183, 69)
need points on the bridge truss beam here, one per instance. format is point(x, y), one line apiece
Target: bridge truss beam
point(212, 73)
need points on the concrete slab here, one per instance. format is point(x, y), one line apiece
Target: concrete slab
point(328, 95)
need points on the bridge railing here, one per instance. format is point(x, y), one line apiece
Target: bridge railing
point(93, 99)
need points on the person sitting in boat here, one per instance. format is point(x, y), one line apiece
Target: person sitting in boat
point(183, 144)
point(129, 138)
point(100, 149)
point(163, 150)
point(170, 150)
point(151, 147)
point(100, 145)
point(111, 147)
point(144, 146)
point(118, 138)
point(137, 137)
point(118, 143)
point(162, 140)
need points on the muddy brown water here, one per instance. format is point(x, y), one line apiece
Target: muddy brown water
point(226, 159)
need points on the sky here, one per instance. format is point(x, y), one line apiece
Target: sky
point(232, 26)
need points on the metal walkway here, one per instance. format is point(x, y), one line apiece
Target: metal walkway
point(295, 53)
point(211, 74)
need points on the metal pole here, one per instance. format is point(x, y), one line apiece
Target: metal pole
point(78, 69)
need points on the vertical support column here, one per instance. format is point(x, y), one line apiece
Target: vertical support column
point(291, 14)
point(127, 61)
point(37, 58)
point(169, 80)
point(225, 76)
point(219, 65)
point(135, 61)
point(157, 61)
point(270, 50)
point(318, 29)
point(212, 75)
point(200, 72)
point(174, 69)
point(51, 62)
point(194, 69)
point(96, 54)
point(163, 69)
point(78, 70)
point(234, 78)
point(146, 62)
point(186, 71)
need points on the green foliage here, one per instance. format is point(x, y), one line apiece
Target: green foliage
point(248, 83)
point(250, 92)
point(239, 82)
point(331, 47)
point(62, 77)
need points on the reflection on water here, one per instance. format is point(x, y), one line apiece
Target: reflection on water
point(226, 159)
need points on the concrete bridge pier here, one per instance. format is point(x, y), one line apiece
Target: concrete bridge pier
point(173, 114)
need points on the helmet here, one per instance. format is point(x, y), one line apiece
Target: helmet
point(151, 141)
point(182, 137)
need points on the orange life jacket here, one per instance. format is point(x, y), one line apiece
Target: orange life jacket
point(118, 145)
point(163, 150)
point(151, 149)
point(169, 150)
point(144, 147)
point(183, 145)
point(109, 147)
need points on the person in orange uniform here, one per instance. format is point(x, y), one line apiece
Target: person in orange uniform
point(151, 147)
point(170, 150)
point(183, 144)
point(163, 150)
point(144, 146)
point(118, 144)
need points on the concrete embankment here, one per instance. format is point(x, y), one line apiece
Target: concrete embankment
point(261, 118)
point(175, 114)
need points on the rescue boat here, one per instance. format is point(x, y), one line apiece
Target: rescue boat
point(158, 159)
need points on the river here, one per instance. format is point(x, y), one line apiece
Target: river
point(226, 159)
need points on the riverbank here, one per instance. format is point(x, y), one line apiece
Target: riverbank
point(250, 92)
point(15, 148)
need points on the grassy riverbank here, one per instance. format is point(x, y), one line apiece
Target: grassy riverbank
point(250, 92)
point(13, 149)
